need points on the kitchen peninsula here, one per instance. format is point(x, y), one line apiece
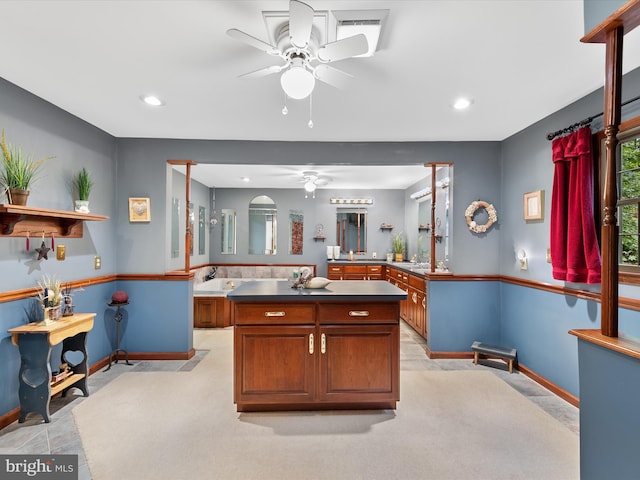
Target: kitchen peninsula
point(336, 347)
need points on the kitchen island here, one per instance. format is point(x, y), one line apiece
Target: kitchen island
point(336, 347)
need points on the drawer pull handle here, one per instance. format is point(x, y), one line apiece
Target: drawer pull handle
point(424, 303)
point(311, 343)
point(274, 314)
point(358, 313)
point(323, 344)
point(414, 297)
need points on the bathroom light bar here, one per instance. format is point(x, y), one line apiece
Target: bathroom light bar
point(351, 201)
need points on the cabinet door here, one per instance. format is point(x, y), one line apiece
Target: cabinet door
point(420, 315)
point(204, 312)
point(359, 363)
point(274, 364)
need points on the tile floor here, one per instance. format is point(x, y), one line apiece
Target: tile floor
point(60, 435)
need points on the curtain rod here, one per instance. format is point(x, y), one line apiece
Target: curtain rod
point(585, 122)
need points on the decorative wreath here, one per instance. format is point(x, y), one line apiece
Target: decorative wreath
point(470, 212)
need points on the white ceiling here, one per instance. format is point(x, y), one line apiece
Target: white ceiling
point(519, 60)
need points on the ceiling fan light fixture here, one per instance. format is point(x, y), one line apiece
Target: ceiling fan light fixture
point(297, 82)
point(310, 186)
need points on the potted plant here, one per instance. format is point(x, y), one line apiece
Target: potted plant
point(398, 247)
point(82, 182)
point(19, 171)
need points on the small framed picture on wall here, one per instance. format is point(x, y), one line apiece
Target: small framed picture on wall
point(534, 205)
point(139, 209)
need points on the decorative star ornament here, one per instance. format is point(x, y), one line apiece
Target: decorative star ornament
point(43, 251)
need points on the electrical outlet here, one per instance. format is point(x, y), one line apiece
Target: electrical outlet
point(60, 252)
point(97, 263)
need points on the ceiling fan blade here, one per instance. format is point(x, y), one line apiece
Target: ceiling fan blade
point(300, 23)
point(344, 48)
point(253, 41)
point(263, 72)
point(332, 76)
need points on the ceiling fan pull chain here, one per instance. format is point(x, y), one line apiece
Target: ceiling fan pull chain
point(310, 124)
point(285, 110)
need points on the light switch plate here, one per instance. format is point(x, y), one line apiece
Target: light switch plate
point(97, 263)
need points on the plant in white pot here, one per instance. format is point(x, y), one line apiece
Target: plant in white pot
point(19, 171)
point(82, 182)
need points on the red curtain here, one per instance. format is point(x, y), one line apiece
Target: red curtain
point(575, 255)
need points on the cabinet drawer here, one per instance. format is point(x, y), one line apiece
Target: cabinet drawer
point(374, 269)
point(355, 269)
point(274, 314)
point(334, 269)
point(359, 313)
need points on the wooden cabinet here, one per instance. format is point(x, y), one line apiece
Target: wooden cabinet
point(211, 312)
point(358, 364)
point(355, 272)
point(278, 366)
point(413, 309)
point(335, 272)
point(316, 355)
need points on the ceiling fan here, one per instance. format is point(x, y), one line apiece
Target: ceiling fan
point(313, 180)
point(305, 61)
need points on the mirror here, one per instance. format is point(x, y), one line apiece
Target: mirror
point(433, 218)
point(228, 220)
point(351, 230)
point(190, 227)
point(175, 227)
point(262, 226)
point(296, 238)
point(202, 220)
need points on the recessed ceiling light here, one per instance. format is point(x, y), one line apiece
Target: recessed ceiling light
point(152, 100)
point(245, 179)
point(462, 103)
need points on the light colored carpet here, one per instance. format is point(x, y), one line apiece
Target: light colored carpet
point(448, 425)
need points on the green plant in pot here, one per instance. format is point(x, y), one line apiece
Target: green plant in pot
point(19, 171)
point(397, 246)
point(83, 182)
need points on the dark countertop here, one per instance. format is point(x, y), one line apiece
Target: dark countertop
point(354, 290)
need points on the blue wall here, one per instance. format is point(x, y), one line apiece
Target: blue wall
point(609, 423)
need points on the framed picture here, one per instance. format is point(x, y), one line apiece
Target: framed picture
point(534, 205)
point(139, 209)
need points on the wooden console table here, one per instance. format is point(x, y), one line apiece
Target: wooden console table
point(35, 341)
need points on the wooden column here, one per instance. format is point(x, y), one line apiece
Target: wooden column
point(612, 116)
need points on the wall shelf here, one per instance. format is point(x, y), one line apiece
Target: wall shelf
point(319, 237)
point(23, 221)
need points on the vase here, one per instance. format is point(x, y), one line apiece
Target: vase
point(399, 257)
point(17, 196)
point(82, 206)
point(53, 313)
